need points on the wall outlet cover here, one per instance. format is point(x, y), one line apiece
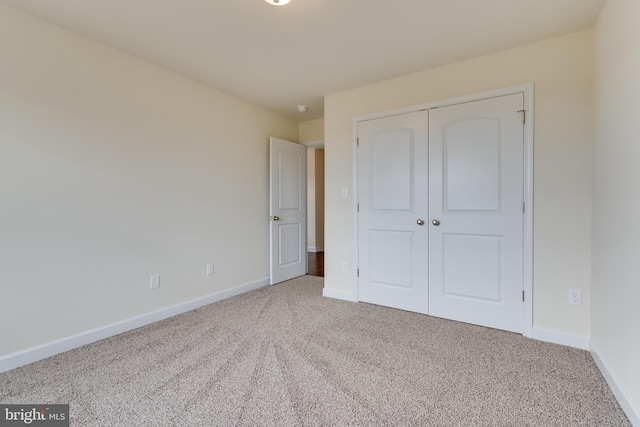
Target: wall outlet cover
point(575, 297)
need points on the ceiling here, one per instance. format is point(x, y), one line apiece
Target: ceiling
point(281, 57)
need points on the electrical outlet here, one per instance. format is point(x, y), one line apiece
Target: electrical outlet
point(209, 269)
point(155, 281)
point(575, 297)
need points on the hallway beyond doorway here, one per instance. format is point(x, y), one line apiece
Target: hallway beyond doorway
point(316, 264)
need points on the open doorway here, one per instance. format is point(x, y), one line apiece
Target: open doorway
point(315, 209)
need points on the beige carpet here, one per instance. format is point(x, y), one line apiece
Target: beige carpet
point(286, 356)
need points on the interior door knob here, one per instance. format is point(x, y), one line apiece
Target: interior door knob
point(435, 222)
point(276, 218)
point(420, 222)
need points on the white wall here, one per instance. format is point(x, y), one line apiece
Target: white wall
point(311, 130)
point(561, 69)
point(616, 195)
point(113, 169)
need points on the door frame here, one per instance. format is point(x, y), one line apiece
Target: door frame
point(313, 145)
point(527, 89)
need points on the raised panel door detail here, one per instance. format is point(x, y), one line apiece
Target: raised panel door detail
point(391, 255)
point(476, 177)
point(392, 170)
point(392, 165)
point(287, 210)
point(289, 236)
point(472, 265)
point(290, 171)
point(471, 151)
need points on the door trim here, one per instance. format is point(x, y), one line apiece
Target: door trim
point(527, 90)
point(314, 144)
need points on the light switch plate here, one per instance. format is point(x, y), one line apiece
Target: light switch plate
point(155, 281)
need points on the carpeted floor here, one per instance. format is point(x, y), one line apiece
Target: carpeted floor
point(286, 356)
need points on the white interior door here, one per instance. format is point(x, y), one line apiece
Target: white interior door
point(476, 176)
point(288, 210)
point(392, 197)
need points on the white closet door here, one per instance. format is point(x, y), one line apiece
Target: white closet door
point(476, 158)
point(392, 183)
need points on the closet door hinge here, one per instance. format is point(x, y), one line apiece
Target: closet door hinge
point(358, 142)
point(524, 116)
point(358, 272)
point(522, 296)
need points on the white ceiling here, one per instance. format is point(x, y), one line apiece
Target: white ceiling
point(280, 57)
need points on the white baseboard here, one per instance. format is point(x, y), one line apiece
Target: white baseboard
point(560, 337)
point(338, 294)
point(33, 354)
point(312, 249)
point(632, 413)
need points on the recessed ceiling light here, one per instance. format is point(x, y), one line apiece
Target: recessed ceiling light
point(277, 2)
